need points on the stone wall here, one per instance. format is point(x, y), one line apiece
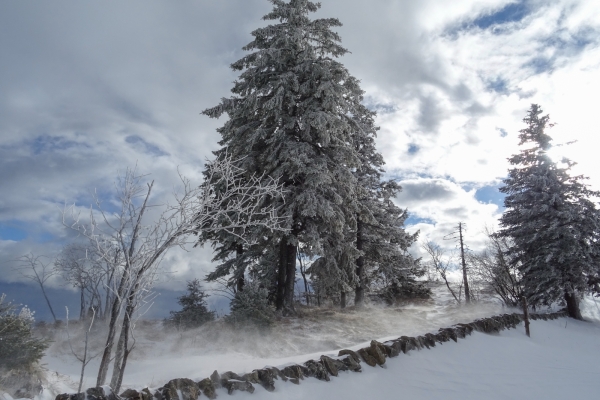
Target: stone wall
point(323, 369)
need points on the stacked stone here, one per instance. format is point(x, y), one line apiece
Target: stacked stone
point(347, 360)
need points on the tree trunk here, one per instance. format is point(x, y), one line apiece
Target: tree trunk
point(464, 266)
point(573, 306)
point(359, 292)
point(48, 301)
point(122, 351)
point(82, 305)
point(240, 281)
point(112, 330)
point(281, 272)
point(290, 278)
point(525, 315)
point(303, 272)
point(343, 300)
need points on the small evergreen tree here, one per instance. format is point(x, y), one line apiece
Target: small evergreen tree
point(19, 349)
point(553, 224)
point(194, 311)
point(251, 306)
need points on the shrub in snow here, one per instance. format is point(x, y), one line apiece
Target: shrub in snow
point(251, 306)
point(18, 348)
point(194, 311)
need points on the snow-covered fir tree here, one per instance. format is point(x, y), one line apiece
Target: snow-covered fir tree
point(553, 224)
point(194, 311)
point(297, 115)
point(291, 117)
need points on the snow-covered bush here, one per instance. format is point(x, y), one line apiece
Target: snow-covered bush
point(251, 306)
point(18, 347)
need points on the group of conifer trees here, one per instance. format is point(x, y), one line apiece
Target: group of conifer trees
point(297, 115)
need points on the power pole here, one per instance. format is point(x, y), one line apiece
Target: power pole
point(464, 265)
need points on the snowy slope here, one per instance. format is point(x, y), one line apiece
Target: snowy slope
point(559, 361)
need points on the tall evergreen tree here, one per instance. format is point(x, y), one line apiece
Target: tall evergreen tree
point(551, 220)
point(291, 117)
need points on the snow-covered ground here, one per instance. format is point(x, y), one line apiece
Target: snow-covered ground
point(560, 360)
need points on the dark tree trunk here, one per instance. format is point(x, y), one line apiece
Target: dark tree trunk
point(48, 302)
point(359, 292)
point(303, 272)
point(281, 272)
point(525, 315)
point(240, 281)
point(122, 351)
point(343, 299)
point(112, 330)
point(464, 266)
point(290, 278)
point(573, 306)
point(82, 305)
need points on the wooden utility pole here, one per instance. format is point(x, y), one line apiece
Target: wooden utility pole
point(464, 265)
point(525, 315)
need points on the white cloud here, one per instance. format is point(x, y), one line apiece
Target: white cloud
point(442, 205)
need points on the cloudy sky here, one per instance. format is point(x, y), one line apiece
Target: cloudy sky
point(88, 89)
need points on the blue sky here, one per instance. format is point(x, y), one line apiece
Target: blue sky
point(91, 88)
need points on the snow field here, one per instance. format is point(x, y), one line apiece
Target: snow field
point(559, 361)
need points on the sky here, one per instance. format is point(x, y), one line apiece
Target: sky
point(88, 89)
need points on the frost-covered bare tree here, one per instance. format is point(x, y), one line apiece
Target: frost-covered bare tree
point(493, 269)
point(441, 263)
point(133, 245)
point(38, 269)
point(79, 267)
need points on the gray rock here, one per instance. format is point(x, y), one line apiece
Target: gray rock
point(251, 377)
point(330, 365)
point(207, 386)
point(375, 351)
point(449, 333)
point(225, 376)
point(277, 373)
point(266, 378)
point(233, 384)
point(316, 369)
point(216, 379)
point(131, 394)
point(394, 349)
point(351, 363)
point(468, 328)
point(422, 342)
point(350, 353)
point(73, 396)
point(98, 393)
point(367, 358)
point(295, 371)
point(188, 388)
point(430, 339)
